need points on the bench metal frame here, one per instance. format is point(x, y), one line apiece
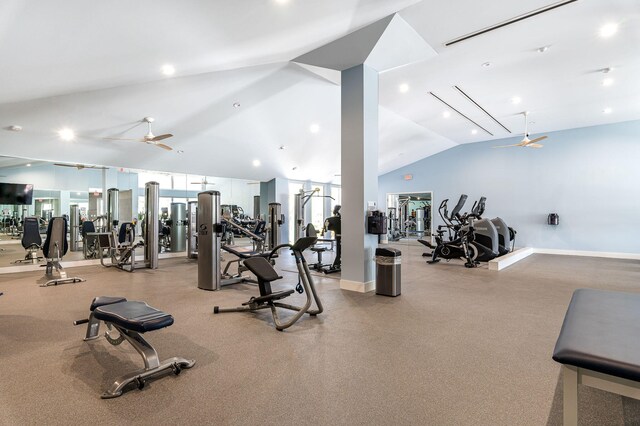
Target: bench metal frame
point(152, 364)
point(54, 266)
point(573, 376)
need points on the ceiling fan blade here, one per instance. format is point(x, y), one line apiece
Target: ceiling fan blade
point(163, 146)
point(506, 146)
point(122, 139)
point(535, 140)
point(534, 145)
point(161, 137)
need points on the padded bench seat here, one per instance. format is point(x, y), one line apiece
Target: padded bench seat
point(105, 300)
point(598, 346)
point(136, 316)
point(244, 253)
point(600, 332)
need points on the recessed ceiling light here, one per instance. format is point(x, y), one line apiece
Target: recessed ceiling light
point(28, 164)
point(282, 147)
point(608, 30)
point(14, 128)
point(180, 151)
point(516, 100)
point(403, 88)
point(486, 64)
point(256, 163)
point(607, 110)
point(446, 114)
point(543, 49)
point(236, 104)
point(282, 1)
point(314, 128)
point(66, 134)
point(607, 81)
point(168, 69)
point(474, 131)
point(607, 70)
point(294, 168)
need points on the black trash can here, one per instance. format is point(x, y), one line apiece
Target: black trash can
point(388, 262)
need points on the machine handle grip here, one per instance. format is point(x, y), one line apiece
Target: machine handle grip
point(276, 248)
point(82, 321)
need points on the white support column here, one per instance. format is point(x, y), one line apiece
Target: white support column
point(359, 150)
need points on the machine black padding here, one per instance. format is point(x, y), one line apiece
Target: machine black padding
point(56, 232)
point(318, 249)
point(135, 316)
point(125, 229)
point(31, 233)
point(304, 243)
point(600, 333)
point(262, 269)
point(87, 226)
point(105, 300)
point(244, 254)
point(269, 297)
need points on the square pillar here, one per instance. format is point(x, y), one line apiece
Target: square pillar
point(359, 161)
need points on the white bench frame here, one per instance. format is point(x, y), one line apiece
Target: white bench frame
point(574, 376)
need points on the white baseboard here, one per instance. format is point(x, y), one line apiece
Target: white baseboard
point(509, 259)
point(607, 254)
point(357, 286)
point(77, 263)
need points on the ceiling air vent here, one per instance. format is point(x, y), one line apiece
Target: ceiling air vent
point(470, 99)
point(509, 21)
point(459, 113)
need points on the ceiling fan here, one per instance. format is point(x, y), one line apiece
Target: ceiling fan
point(203, 182)
point(149, 138)
point(80, 166)
point(526, 142)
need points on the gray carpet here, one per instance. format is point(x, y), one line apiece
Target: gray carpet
point(459, 347)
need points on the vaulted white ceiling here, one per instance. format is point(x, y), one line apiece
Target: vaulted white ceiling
point(95, 67)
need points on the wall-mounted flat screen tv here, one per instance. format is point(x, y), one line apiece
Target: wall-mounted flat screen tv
point(16, 193)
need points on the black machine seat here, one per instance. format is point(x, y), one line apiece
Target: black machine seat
point(262, 269)
point(269, 297)
point(244, 254)
point(105, 300)
point(599, 333)
point(135, 316)
point(31, 233)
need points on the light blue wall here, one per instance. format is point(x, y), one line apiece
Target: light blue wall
point(589, 176)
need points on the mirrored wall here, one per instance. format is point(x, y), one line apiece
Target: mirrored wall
point(55, 187)
point(409, 216)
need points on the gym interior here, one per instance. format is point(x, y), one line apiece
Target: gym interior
point(335, 212)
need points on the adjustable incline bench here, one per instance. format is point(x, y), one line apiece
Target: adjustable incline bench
point(131, 319)
point(598, 346)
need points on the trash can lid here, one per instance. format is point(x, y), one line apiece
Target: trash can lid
point(388, 252)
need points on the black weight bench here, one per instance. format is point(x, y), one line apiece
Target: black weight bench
point(130, 319)
point(598, 346)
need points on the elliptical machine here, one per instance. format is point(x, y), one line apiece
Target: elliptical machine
point(473, 241)
point(506, 234)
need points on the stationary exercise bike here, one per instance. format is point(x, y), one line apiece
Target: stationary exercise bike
point(461, 237)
